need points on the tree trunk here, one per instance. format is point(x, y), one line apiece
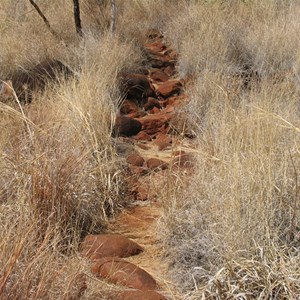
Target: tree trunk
point(77, 17)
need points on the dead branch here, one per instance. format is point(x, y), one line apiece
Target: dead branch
point(43, 17)
point(77, 17)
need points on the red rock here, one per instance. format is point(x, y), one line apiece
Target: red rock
point(137, 87)
point(125, 126)
point(151, 103)
point(159, 75)
point(143, 136)
point(162, 145)
point(128, 107)
point(108, 245)
point(141, 295)
point(169, 109)
point(155, 47)
point(170, 70)
point(155, 163)
point(154, 110)
point(162, 142)
point(174, 101)
point(119, 271)
point(138, 114)
point(135, 160)
point(169, 88)
point(154, 123)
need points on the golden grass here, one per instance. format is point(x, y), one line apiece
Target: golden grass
point(61, 175)
point(232, 231)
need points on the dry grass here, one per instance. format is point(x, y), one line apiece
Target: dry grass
point(61, 175)
point(233, 232)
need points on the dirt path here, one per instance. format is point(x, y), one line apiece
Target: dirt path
point(156, 151)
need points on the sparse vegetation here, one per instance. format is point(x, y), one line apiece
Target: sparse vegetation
point(231, 229)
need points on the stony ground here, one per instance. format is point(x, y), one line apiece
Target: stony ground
point(130, 254)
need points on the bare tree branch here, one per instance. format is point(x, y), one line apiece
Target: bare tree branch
point(43, 17)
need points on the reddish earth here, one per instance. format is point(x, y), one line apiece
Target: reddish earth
point(144, 122)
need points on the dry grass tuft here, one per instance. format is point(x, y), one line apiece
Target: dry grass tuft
point(61, 175)
point(233, 232)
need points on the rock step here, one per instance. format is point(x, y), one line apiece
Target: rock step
point(109, 245)
point(150, 102)
point(119, 271)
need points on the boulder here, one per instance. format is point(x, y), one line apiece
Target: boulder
point(155, 123)
point(143, 136)
point(155, 164)
point(135, 160)
point(159, 75)
point(125, 126)
point(119, 271)
point(169, 88)
point(108, 245)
